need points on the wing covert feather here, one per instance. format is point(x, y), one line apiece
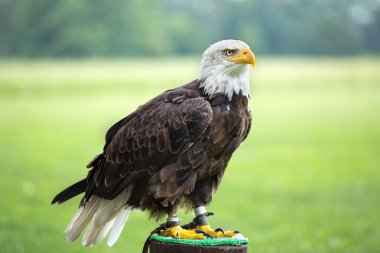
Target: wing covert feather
point(154, 137)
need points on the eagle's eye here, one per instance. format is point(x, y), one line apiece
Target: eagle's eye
point(229, 52)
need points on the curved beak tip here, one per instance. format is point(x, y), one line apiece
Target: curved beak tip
point(249, 56)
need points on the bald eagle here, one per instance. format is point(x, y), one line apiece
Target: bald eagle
point(171, 151)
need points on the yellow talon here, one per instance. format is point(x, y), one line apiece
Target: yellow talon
point(178, 232)
point(214, 233)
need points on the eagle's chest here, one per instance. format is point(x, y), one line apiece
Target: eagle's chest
point(228, 128)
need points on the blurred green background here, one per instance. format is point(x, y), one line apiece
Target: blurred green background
point(307, 179)
point(117, 28)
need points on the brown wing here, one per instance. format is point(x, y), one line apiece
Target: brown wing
point(148, 140)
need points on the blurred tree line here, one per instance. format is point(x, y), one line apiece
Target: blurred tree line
point(118, 28)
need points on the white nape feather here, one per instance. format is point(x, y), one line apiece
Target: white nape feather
point(105, 214)
point(220, 76)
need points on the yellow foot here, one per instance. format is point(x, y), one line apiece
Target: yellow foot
point(178, 232)
point(216, 232)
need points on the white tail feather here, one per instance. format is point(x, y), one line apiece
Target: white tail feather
point(120, 220)
point(95, 234)
point(105, 214)
point(79, 221)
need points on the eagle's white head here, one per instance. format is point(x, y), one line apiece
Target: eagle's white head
point(225, 68)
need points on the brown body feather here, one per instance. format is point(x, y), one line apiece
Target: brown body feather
point(174, 148)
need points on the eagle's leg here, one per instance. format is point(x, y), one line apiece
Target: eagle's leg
point(174, 230)
point(200, 223)
point(200, 197)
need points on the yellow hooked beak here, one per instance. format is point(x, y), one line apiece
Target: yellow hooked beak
point(245, 56)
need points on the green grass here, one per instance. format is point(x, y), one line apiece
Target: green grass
point(307, 179)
